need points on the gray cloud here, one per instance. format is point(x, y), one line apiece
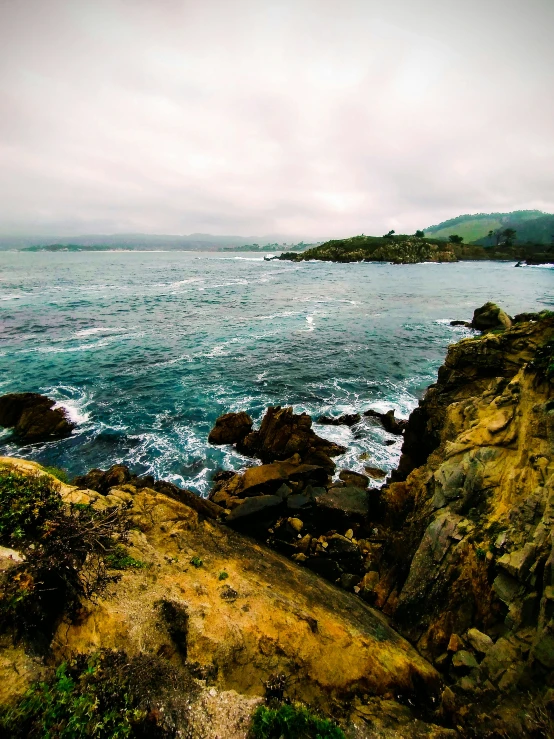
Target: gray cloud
point(308, 117)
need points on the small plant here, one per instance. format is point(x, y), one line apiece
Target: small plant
point(107, 695)
point(480, 553)
point(292, 722)
point(196, 562)
point(223, 575)
point(120, 559)
point(65, 551)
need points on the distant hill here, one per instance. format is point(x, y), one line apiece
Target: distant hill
point(96, 242)
point(530, 225)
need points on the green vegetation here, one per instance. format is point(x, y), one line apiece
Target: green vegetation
point(65, 551)
point(399, 248)
point(58, 473)
point(489, 229)
point(107, 695)
point(120, 559)
point(292, 722)
point(196, 562)
point(455, 239)
point(223, 576)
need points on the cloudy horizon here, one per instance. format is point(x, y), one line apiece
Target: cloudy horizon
point(311, 118)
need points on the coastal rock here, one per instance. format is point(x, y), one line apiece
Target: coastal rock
point(348, 419)
point(467, 543)
point(230, 428)
point(34, 417)
point(490, 317)
point(283, 433)
point(350, 501)
point(354, 479)
point(388, 421)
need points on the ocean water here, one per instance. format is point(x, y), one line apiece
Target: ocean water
point(146, 349)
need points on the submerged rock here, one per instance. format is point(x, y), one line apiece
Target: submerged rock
point(33, 417)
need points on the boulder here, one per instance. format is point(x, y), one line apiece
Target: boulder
point(33, 417)
point(479, 641)
point(252, 506)
point(375, 472)
point(230, 428)
point(354, 479)
point(489, 317)
point(283, 433)
point(388, 421)
point(350, 501)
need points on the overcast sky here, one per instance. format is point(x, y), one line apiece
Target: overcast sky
point(312, 118)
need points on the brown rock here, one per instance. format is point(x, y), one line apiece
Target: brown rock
point(348, 419)
point(354, 479)
point(230, 428)
point(350, 501)
point(33, 417)
point(490, 317)
point(375, 473)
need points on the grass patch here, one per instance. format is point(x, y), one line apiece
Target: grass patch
point(196, 562)
point(292, 722)
point(120, 559)
point(107, 695)
point(58, 473)
point(65, 549)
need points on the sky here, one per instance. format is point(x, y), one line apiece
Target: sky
point(309, 118)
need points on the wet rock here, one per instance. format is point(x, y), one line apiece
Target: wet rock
point(490, 317)
point(460, 323)
point(375, 473)
point(283, 433)
point(348, 419)
point(33, 417)
point(479, 641)
point(354, 479)
point(230, 428)
point(351, 501)
point(388, 421)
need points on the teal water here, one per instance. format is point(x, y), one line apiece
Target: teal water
point(145, 350)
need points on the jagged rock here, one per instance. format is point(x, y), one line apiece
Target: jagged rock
point(354, 479)
point(348, 419)
point(283, 433)
point(33, 417)
point(490, 317)
point(230, 428)
point(518, 563)
point(479, 641)
point(388, 421)
point(269, 479)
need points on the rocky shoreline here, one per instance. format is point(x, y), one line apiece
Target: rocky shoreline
point(421, 608)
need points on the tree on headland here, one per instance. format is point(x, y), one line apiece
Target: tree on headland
point(490, 236)
point(419, 234)
point(509, 235)
point(455, 239)
point(390, 234)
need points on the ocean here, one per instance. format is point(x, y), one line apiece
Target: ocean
point(146, 349)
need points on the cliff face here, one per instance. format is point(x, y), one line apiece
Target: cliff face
point(467, 568)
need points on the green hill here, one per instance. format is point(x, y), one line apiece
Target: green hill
point(529, 224)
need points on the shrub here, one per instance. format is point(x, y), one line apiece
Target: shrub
point(292, 722)
point(196, 562)
point(120, 559)
point(107, 695)
point(58, 473)
point(223, 575)
point(65, 549)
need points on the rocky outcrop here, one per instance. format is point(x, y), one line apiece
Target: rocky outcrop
point(466, 569)
point(234, 614)
point(348, 419)
point(282, 434)
point(230, 428)
point(388, 421)
point(34, 417)
point(490, 317)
